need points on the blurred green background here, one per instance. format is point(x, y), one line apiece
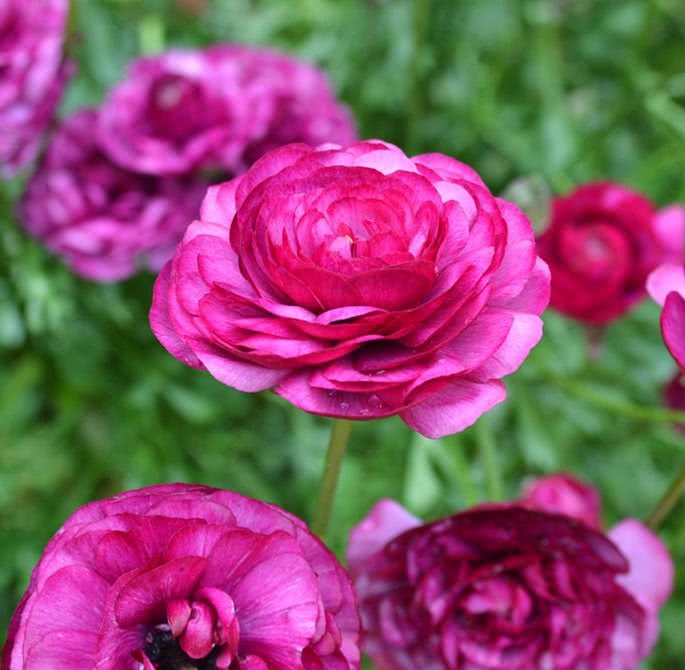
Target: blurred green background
point(536, 95)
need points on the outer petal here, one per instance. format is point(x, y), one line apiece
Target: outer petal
point(564, 494)
point(454, 408)
point(652, 572)
point(673, 327)
point(386, 520)
point(665, 279)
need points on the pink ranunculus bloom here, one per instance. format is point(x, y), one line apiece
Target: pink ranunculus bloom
point(507, 587)
point(33, 72)
point(359, 283)
point(666, 286)
point(601, 243)
point(564, 494)
point(175, 577)
point(218, 108)
point(104, 220)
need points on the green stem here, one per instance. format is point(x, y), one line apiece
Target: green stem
point(489, 460)
point(337, 446)
point(668, 502)
point(653, 414)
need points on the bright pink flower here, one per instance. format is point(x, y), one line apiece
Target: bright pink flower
point(104, 220)
point(564, 494)
point(602, 242)
point(176, 577)
point(357, 283)
point(666, 285)
point(32, 75)
point(218, 108)
point(506, 587)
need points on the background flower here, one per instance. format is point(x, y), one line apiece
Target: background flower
point(507, 587)
point(357, 283)
point(168, 575)
point(32, 75)
point(601, 243)
point(105, 221)
point(220, 108)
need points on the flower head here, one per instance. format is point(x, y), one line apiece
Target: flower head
point(602, 242)
point(32, 75)
point(219, 108)
point(507, 587)
point(106, 221)
point(179, 577)
point(357, 283)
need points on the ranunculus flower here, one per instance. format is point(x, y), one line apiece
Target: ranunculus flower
point(217, 108)
point(602, 242)
point(507, 587)
point(564, 494)
point(359, 283)
point(666, 285)
point(179, 577)
point(32, 75)
point(104, 220)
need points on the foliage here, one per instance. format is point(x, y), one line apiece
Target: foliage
point(555, 91)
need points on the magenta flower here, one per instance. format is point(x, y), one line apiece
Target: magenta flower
point(666, 285)
point(602, 242)
point(32, 75)
point(358, 283)
point(218, 108)
point(507, 587)
point(180, 577)
point(104, 220)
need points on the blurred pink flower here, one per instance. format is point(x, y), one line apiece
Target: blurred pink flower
point(666, 286)
point(602, 242)
point(180, 576)
point(32, 75)
point(507, 587)
point(104, 220)
point(564, 494)
point(219, 108)
point(357, 283)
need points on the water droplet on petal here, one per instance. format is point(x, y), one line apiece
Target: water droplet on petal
point(344, 406)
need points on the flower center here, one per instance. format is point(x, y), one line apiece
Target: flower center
point(177, 108)
point(165, 653)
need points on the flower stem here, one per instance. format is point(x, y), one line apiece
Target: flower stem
point(489, 460)
point(627, 409)
point(668, 502)
point(337, 446)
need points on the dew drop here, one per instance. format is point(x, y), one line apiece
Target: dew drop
point(332, 394)
point(344, 406)
point(375, 402)
point(364, 411)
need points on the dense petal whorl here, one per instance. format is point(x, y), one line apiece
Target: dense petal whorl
point(357, 282)
point(103, 219)
point(506, 587)
point(32, 75)
point(179, 577)
point(221, 107)
point(602, 242)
